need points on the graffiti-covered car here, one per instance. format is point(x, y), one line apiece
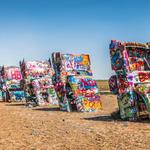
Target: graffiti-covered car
point(11, 77)
point(74, 83)
point(37, 82)
point(131, 63)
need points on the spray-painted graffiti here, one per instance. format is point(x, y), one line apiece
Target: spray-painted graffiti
point(38, 82)
point(131, 83)
point(76, 89)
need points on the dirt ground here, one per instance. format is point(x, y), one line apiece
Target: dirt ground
point(46, 128)
point(103, 85)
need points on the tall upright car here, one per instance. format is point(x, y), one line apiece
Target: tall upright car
point(131, 63)
point(37, 83)
point(10, 82)
point(74, 83)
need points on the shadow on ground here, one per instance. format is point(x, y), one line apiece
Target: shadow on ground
point(115, 117)
point(47, 109)
point(17, 104)
point(106, 93)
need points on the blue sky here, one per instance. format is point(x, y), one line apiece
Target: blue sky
point(33, 29)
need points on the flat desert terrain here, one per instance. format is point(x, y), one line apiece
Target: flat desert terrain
point(47, 128)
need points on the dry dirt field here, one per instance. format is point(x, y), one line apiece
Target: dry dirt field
point(103, 85)
point(46, 128)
